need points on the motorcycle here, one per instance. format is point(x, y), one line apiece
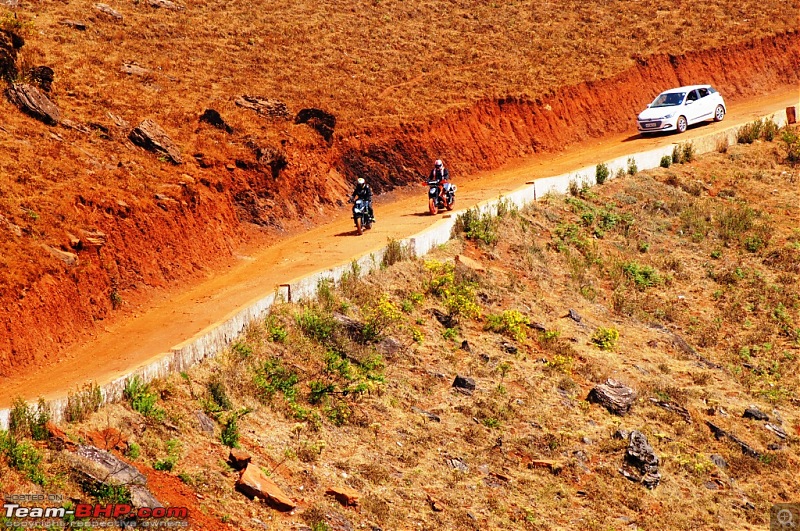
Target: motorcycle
point(361, 216)
point(441, 196)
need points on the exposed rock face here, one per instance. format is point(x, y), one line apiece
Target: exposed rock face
point(151, 137)
point(641, 462)
point(10, 42)
point(754, 413)
point(166, 4)
point(255, 484)
point(213, 118)
point(614, 396)
point(239, 459)
point(108, 10)
point(32, 101)
point(344, 495)
point(264, 107)
point(43, 76)
point(323, 122)
point(462, 382)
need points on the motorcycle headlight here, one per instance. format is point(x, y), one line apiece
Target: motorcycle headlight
point(433, 190)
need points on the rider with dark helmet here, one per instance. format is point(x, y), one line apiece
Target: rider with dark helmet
point(364, 192)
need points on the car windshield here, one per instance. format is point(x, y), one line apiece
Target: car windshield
point(668, 99)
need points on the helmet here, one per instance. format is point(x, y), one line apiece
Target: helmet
point(438, 163)
point(361, 180)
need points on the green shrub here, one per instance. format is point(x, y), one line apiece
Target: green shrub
point(83, 403)
point(219, 394)
point(642, 276)
point(633, 169)
point(316, 323)
point(791, 145)
point(134, 450)
point(677, 154)
point(26, 421)
point(687, 152)
point(510, 322)
point(749, 133)
point(380, 317)
point(769, 130)
point(461, 301)
point(276, 332)
point(396, 252)
point(230, 431)
point(605, 338)
point(666, 161)
point(23, 457)
point(319, 391)
point(242, 349)
point(601, 173)
point(142, 399)
point(477, 226)
point(173, 453)
point(272, 377)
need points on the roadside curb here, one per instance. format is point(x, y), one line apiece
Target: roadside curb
point(218, 336)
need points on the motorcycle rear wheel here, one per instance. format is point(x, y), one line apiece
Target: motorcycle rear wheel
point(432, 206)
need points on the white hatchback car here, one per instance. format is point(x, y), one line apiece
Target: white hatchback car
point(676, 109)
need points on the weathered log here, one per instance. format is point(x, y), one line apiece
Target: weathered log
point(32, 101)
point(614, 396)
point(264, 107)
point(151, 137)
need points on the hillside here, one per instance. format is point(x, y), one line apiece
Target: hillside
point(93, 227)
point(682, 283)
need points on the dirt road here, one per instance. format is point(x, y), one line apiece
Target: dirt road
point(135, 341)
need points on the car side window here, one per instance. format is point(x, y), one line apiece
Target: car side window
point(703, 92)
point(692, 96)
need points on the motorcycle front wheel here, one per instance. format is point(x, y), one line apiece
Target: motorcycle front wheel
point(359, 226)
point(432, 206)
point(450, 204)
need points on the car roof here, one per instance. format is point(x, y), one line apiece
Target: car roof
point(686, 88)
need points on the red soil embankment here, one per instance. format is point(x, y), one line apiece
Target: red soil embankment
point(154, 243)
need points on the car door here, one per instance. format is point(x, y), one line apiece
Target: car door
point(706, 104)
point(693, 108)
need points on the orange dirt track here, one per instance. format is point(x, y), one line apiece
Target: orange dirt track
point(169, 320)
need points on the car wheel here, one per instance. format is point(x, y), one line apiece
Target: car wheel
point(681, 124)
point(719, 113)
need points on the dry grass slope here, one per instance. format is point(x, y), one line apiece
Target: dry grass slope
point(706, 251)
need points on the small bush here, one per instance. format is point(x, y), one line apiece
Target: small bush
point(688, 152)
point(791, 145)
point(666, 161)
point(633, 169)
point(242, 349)
point(230, 431)
point(134, 450)
point(396, 252)
point(605, 338)
point(642, 276)
point(677, 154)
point(574, 188)
point(749, 133)
point(216, 388)
point(477, 226)
point(272, 377)
point(83, 403)
point(722, 145)
point(276, 332)
point(173, 453)
point(142, 399)
point(23, 457)
point(601, 173)
point(316, 323)
point(510, 322)
point(769, 130)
